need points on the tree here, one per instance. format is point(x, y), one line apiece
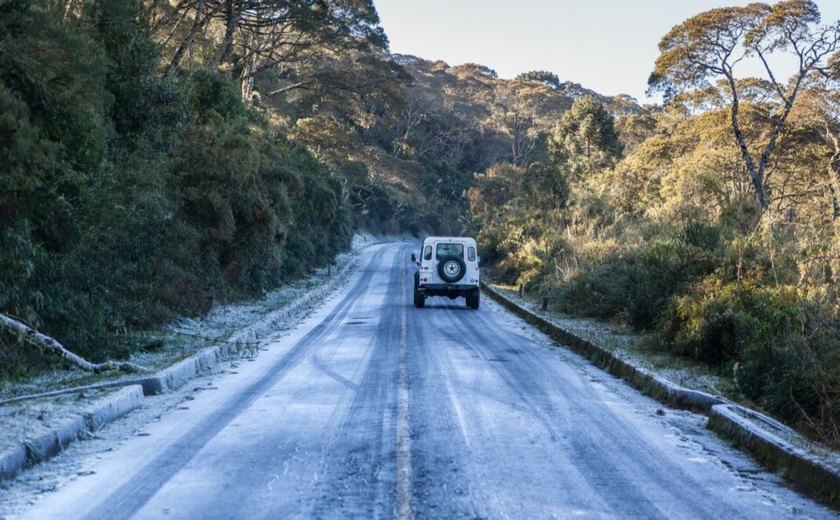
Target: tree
point(258, 35)
point(713, 43)
point(823, 110)
point(633, 130)
point(585, 138)
point(517, 122)
point(494, 188)
point(417, 109)
point(830, 119)
point(540, 76)
point(818, 114)
point(521, 110)
point(363, 89)
point(475, 69)
point(545, 181)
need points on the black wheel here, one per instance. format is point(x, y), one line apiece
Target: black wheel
point(451, 268)
point(419, 300)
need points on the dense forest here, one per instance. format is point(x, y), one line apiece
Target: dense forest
point(712, 220)
point(159, 157)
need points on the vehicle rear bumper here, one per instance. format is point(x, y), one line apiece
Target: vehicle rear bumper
point(447, 288)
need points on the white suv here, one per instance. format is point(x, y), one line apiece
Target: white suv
point(448, 266)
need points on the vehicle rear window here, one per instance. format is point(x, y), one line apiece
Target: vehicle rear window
point(427, 253)
point(449, 249)
point(471, 254)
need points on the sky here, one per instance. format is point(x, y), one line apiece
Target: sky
point(608, 46)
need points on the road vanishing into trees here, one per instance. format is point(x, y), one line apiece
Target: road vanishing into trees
point(372, 408)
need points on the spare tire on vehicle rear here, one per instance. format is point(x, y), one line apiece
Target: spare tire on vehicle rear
point(451, 268)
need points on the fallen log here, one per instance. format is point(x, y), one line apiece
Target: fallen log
point(30, 335)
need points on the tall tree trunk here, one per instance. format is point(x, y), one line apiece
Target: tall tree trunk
point(756, 174)
point(188, 41)
point(777, 130)
point(231, 24)
point(246, 79)
point(514, 149)
point(834, 173)
point(69, 8)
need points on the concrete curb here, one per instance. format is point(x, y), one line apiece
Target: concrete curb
point(12, 461)
point(176, 376)
point(648, 382)
point(46, 446)
point(757, 434)
point(15, 460)
point(765, 439)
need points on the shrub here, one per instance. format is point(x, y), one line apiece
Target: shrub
point(600, 291)
point(638, 284)
point(701, 235)
point(719, 323)
point(783, 348)
point(795, 376)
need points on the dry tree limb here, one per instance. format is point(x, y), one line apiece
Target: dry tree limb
point(301, 85)
point(31, 335)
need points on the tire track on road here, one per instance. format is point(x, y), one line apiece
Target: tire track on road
point(364, 471)
point(612, 458)
point(133, 494)
point(441, 446)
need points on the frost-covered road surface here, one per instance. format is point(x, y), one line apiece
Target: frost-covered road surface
point(375, 409)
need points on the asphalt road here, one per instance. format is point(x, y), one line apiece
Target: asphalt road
point(375, 409)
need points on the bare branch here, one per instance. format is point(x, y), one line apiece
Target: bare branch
point(299, 85)
point(34, 337)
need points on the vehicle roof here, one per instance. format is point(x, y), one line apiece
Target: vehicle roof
point(466, 240)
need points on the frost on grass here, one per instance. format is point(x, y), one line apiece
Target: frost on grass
point(29, 420)
point(246, 325)
point(223, 324)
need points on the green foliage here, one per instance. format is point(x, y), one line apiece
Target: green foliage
point(129, 198)
point(29, 163)
point(20, 262)
point(701, 235)
point(720, 323)
point(546, 181)
point(638, 284)
point(324, 225)
point(775, 341)
point(53, 120)
point(727, 248)
point(504, 242)
point(409, 150)
point(58, 73)
point(540, 76)
point(211, 94)
point(147, 108)
point(265, 210)
point(585, 138)
point(710, 46)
